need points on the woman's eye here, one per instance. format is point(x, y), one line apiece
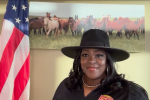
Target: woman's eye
point(85, 55)
point(99, 55)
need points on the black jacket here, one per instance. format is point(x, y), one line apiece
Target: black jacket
point(130, 92)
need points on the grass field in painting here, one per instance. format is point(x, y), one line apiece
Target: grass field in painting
point(41, 42)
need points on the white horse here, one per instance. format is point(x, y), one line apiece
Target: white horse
point(51, 25)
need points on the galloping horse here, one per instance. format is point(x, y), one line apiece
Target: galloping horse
point(99, 24)
point(31, 19)
point(82, 25)
point(51, 25)
point(73, 25)
point(36, 24)
point(115, 19)
point(77, 25)
point(76, 17)
point(116, 25)
point(89, 24)
point(142, 26)
point(133, 26)
point(63, 25)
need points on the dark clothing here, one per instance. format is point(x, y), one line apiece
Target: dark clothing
point(126, 93)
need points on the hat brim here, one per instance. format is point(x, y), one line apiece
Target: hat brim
point(116, 54)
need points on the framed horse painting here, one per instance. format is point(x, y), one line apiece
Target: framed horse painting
point(55, 25)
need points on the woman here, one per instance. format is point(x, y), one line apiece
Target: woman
point(94, 76)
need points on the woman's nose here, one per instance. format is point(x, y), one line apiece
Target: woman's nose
point(92, 60)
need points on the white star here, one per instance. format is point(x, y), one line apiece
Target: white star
point(17, 20)
point(27, 20)
point(14, 8)
point(24, 7)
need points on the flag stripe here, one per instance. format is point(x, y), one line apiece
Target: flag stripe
point(26, 92)
point(20, 55)
point(21, 79)
point(8, 54)
point(5, 34)
point(14, 52)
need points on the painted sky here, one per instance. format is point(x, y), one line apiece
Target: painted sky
point(83, 10)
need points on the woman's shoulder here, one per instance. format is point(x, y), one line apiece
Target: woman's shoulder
point(136, 92)
point(126, 90)
point(134, 87)
point(63, 82)
point(61, 89)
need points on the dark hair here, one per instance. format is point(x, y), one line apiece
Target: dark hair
point(76, 73)
point(113, 81)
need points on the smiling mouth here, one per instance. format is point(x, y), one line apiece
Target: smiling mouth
point(92, 68)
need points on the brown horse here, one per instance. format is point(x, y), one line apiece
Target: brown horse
point(63, 25)
point(73, 25)
point(121, 18)
point(115, 25)
point(115, 19)
point(86, 23)
point(55, 16)
point(98, 24)
point(133, 26)
point(142, 26)
point(33, 18)
point(41, 18)
point(82, 25)
point(36, 24)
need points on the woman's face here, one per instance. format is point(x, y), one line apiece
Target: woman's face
point(93, 63)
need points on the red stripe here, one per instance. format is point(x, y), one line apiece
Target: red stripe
point(8, 54)
point(21, 79)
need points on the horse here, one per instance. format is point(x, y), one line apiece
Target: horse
point(42, 18)
point(77, 25)
point(34, 18)
point(48, 15)
point(76, 17)
point(121, 18)
point(36, 24)
point(105, 20)
point(116, 25)
point(98, 24)
point(125, 20)
point(142, 26)
point(73, 25)
point(115, 19)
point(89, 24)
point(51, 25)
point(133, 26)
point(54, 18)
point(63, 25)
point(82, 25)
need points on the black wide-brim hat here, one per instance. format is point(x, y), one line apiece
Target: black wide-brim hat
point(95, 38)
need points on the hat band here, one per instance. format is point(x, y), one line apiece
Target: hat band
point(91, 43)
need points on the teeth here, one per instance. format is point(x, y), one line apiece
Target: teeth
point(93, 69)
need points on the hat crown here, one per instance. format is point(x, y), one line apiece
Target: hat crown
point(95, 37)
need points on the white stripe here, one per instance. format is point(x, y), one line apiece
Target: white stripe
point(6, 32)
point(20, 56)
point(26, 92)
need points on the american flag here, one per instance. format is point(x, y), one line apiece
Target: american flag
point(15, 52)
